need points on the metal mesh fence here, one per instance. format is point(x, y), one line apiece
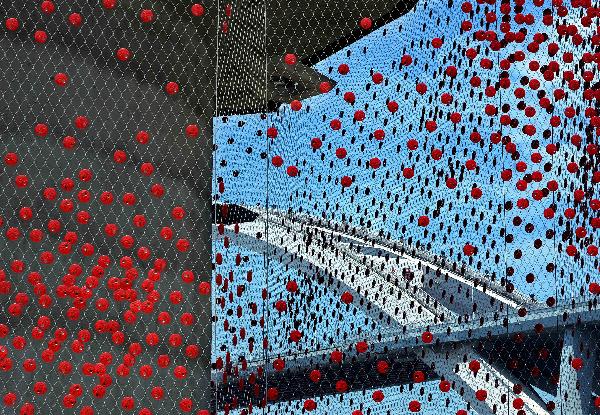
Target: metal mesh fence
point(413, 229)
point(287, 207)
point(106, 177)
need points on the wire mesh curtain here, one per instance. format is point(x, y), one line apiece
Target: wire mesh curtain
point(106, 182)
point(286, 207)
point(406, 213)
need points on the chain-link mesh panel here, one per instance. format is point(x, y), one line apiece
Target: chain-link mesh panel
point(106, 131)
point(407, 223)
point(402, 202)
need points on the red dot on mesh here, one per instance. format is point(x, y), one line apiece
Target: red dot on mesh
point(481, 395)
point(142, 137)
point(61, 79)
point(197, 10)
point(109, 4)
point(192, 130)
point(47, 7)
point(12, 24)
point(75, 19)
point(324, 87)
point(290, 59)
point(40, 36)
point(366, 23)
point(11, 159)
point(172, 88)
point(272, 132)
point(277, 161)
point(81, 122)
point(146, 15)
point(123, 54)
point(69, 142)
point(414, 406)
point(41, 130)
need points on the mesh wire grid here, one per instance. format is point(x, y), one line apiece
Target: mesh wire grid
point(401, 198)
point(106, 133)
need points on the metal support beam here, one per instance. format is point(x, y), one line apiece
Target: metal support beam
point(452, 364)
point(365, 265)
point(577, 364)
